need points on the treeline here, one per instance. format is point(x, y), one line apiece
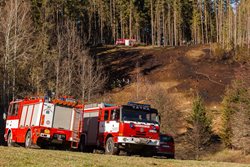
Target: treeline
point(156, 22)
point(159, 22)
point(47, 40)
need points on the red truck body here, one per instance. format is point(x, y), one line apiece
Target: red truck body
point(34, 121)
point(133, 128)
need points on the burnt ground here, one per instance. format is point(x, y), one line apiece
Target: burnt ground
point(194, 68)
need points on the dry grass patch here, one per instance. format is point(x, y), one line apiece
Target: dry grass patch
point(195, 54)
point(37, 157)
point(228, 156)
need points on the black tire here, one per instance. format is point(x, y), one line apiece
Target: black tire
point(110, 148)
point(147, 153)
point(129, 153)
point(42, 144)
point(9, 140)
point(28, 140)
point(81, 146)
point(171, 156)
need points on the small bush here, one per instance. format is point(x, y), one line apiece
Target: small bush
point(242, 54)
point(218, 51)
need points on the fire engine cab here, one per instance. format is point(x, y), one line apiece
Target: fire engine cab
point(133, 128)
point(38, 121)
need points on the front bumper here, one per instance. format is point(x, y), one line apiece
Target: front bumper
point(139, 141)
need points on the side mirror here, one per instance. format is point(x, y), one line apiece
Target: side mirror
point(159, 117)
point(4, 116)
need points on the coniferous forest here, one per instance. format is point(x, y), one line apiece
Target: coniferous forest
point(43, 41)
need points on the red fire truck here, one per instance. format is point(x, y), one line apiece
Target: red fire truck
point(133, 128)
point(37, 121)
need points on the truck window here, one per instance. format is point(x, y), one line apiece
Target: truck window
point(115, 114)
point(13, 109)
point(106, 115)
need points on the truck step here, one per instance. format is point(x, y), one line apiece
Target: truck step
point(74, 145)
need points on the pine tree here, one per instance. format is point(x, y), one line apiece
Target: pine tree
point(236, 117)
point(199, 131)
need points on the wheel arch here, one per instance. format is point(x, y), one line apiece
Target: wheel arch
point(7, 134)
point(31, 137)
point(108, 136)
point(29, 130)
point(9, 131)
point(83, 136)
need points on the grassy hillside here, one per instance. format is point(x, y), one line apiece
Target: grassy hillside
point(37, 157)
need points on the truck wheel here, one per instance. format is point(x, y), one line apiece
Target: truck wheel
point(81, 146)
point(129, 153)
point(9, 140)
point(171, 156)
point(28, 140)
point(110, 147)
point(147, 153)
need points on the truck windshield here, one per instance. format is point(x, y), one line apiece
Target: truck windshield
point(148, 116)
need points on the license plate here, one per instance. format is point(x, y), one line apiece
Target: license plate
point(144, 141)
point(166, 146)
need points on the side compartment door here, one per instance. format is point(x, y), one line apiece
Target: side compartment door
point(47, 115)
point(76, 127)
point(91, 126)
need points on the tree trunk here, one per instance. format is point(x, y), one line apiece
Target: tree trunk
point(248, 32)
point(130, 19)
point(235, 27)
point(114, 19)
point(175, 22)
point(152, 23)
point(111, 20)
point(206, 20)
point(158, 13)
point(121, 20)
point(169, 27)
point(101, 20)
point(216, 20)
point(164, 25)
point(229, 23)
point(201, 17)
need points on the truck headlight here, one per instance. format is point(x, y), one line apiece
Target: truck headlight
point(47, 131)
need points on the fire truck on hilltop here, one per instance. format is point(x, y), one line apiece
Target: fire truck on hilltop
point(133, 128)
point(42, 122)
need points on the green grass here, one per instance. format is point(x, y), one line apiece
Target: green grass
point(18, 156)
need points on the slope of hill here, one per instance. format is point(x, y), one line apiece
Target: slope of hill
point(183, 69)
